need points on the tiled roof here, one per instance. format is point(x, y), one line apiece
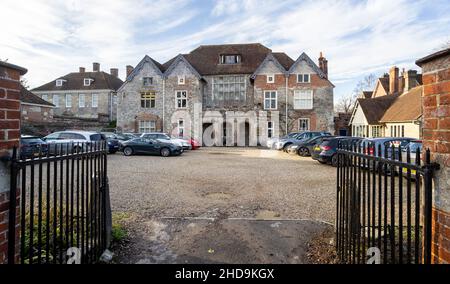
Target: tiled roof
point(28, 97)
point(75, 81)
point(367, 94)
point(283, 59)
point(374, 108)
point(407, 107)
point(205, 59)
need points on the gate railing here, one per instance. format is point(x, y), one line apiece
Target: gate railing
point(64, 209)
point(384, 201)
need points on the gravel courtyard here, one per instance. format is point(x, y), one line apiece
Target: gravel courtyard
point(235, 182)
point(220, 205)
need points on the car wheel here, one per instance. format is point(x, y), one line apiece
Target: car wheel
point(286, 146)
point(303, 152)
point(165, 152)
point(128, 151)
point(334, 160)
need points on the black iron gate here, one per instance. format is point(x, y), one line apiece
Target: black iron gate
point(64, 212)
point(384, 200)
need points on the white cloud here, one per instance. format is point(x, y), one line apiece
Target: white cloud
point(357, 37)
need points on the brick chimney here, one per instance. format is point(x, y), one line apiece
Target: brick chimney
point(82, 69)
point(393, 80)
point(114, 72)
point(96, 67)
point(323, 64)
point(410, 80)
point(129, 70)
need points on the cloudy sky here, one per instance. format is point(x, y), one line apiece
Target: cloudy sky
point(53, 38)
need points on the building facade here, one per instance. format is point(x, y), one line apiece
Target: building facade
point(33, 109)
point(224, 81)
point(393, 109)
point(83, 94)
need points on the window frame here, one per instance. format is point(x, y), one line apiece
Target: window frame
point(145, 129)
point(59, 82)
point(181, 79)
point(150, 99)
point(89, 80)
point(303, 78)
point(270, 76)
point(68, 100)
point(81, 100)
point(237, 59)
point(306, 119)
point(181, 99)
point(311, 99)
point(55, 103)
point(44, 97)
point(223, 82)
point(144, 79)
point(270, 129)
point(96, 100)
point(271, 99)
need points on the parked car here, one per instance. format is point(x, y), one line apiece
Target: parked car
point(32, 146)
point(128, 136)
point(282, 144)
point(150, 146)
point(272, 141)
point(71, 140)
point(413, 147)
point(305, 148)
point(372, 146)
point(112, 141)
point(326, 152)
point(163, 136)
point(194, 143)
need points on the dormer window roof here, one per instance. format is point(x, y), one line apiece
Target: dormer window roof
point(230, 59)
point(87, 81)
point(60, 82)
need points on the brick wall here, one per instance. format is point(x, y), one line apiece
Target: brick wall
point(436, 137)
point(9, 137)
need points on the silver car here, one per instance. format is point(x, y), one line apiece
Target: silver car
point(71, 140)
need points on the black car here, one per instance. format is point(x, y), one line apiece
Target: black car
point(31, 146)
point(326, 152)
point(150, 146)
point(305, 148)
point(112, 142)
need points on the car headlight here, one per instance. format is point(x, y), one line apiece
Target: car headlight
point(294, 146)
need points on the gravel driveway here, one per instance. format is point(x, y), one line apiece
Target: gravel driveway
point(231, 182)
point(220, 205)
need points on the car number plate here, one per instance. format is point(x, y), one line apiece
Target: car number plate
point(413, 172)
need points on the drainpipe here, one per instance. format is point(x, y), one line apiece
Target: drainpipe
point(286, 95)
point(164, 103)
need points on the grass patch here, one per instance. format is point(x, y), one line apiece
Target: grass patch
point(119, 232)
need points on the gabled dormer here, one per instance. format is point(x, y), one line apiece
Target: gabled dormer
point(180, 62)
point(269, 67)
point(87, 81)
point(60, 82)
point(230, 59)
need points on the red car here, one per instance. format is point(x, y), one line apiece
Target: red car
point(194, 143)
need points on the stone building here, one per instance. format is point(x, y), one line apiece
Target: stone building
point(224, 81)
point(83, 94)
point(33, 109)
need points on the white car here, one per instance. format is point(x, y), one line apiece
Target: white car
point(272, 143)
point(63, 141)
point(163, 136)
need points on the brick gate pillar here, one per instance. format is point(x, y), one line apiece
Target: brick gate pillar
point(9, 137)
point(436, 137)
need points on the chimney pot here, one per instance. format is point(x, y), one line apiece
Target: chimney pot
point(410, 80)
point(82, 69)
point(129, 69)
point(114, 72)
point(96, 67)
point(323, 64)
point(393, 80)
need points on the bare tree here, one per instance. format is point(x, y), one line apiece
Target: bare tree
point(346, 103)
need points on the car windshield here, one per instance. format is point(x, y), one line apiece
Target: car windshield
point(96, 137)
point(31, 140)
point(163, 136)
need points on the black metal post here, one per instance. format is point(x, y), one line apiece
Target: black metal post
point(12, 210)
